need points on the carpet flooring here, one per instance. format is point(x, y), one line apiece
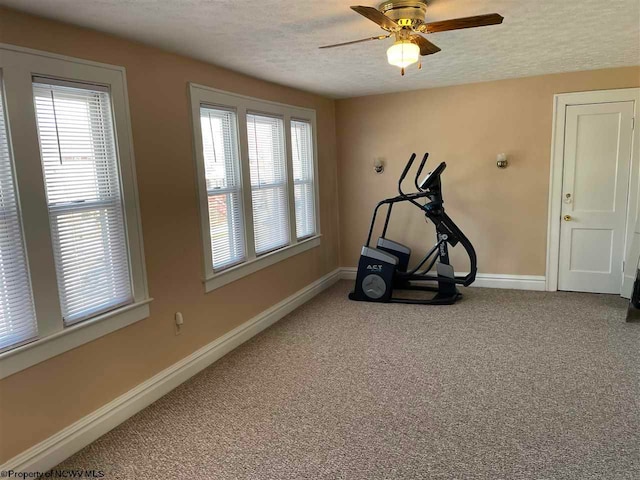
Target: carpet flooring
point(503, 385)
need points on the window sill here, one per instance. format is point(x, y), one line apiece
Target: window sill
point(39, 350)
point(235, 273)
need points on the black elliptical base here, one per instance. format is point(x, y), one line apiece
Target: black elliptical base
point(438, 299)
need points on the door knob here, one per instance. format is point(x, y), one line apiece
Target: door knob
point(567, 218)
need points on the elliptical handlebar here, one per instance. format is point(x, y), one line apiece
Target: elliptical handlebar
point(404, 173)
point(415, 181)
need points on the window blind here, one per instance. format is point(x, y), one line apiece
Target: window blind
point(267, 165)
point(78, 152)
point(17, 316)
point(224, 186)
point(302, 154)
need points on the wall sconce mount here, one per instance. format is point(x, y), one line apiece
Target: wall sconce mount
point(378, 165)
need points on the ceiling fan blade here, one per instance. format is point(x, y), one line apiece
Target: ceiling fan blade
point(377, 17)
point(426, 47)
point(381, 37)
point(460, 23)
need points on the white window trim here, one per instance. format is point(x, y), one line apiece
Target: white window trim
point(241, 104)
point(19, 65)
point(313, 181)
point(240, 270)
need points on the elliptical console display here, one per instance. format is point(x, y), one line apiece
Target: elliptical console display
point(385, 268)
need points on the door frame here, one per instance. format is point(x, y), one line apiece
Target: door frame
point(560, 103)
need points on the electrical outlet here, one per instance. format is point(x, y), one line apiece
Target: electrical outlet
point(179, 323)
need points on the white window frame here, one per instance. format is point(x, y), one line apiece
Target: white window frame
point(228, 191)
point(284, 185)
point(19, 65)
point(202, 95)
point(311, 182)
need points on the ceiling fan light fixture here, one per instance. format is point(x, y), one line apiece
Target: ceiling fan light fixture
point(403, 53)
point(406, 20)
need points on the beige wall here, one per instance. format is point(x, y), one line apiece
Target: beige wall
point(503, 212)
point(39, 401)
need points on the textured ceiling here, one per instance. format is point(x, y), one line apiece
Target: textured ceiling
point(278, 40)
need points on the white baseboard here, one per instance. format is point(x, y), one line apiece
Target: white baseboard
point(513, 282)
point(60, 446)
point(486, 280)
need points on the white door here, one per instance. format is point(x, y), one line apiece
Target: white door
point(595, 184)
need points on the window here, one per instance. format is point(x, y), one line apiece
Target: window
point(78, 153)
point(257, 182)
point(71, 259)
point(224, 189)
point(17, 315)
point(302, 152)
point(268, 182)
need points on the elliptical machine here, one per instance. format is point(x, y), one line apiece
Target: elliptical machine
point(385, 268)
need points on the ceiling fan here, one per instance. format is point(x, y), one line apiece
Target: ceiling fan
point(405, 20)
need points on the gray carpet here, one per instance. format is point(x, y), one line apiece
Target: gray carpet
point(503, 385)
